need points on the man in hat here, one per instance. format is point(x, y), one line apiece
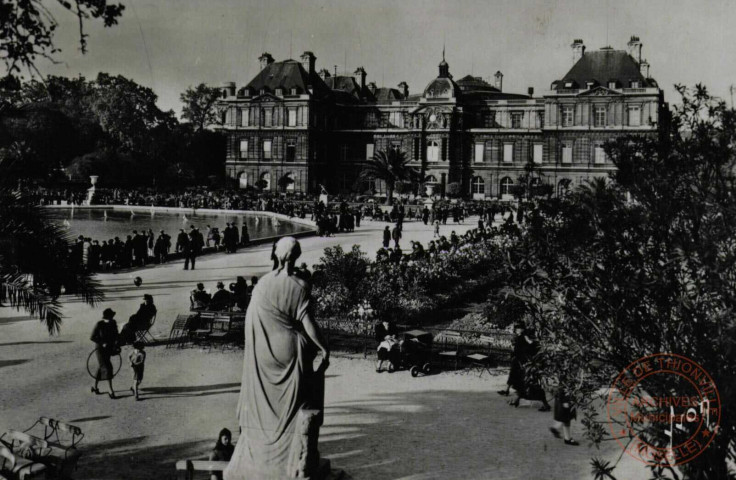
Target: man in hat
point(222, 299)
point(105, 336)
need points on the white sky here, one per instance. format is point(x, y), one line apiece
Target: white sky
point(172, 44)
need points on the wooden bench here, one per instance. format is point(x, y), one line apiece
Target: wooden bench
point(186, 469)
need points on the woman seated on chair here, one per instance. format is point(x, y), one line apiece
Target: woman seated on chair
point(139, 320)
point(223, 450)
point(388, 345)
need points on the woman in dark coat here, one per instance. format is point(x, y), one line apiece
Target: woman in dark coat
point(105, 336)
point(388, 346)
point(516, 374)
point(223, 450)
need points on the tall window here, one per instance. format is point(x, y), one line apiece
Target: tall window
point(540, 116)
point(245, 116)
point(433, 151)
point(291, 150)
point(417, 149)
point(292, 117)
point(567, 153)
point(634, 115)
point(506, 184)
point(490, 119)
point(244, 149)
point(479, 147)
point(567, 116)
point(599, 116)
point(600, 155)
point(397, 119)
point(478, 186)
point(538, 152)
point(508, 152)
point(268, 117)
point(369, 148)
point(267, 149)
point(516, 120)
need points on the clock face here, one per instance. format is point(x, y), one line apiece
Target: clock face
point(432, 117)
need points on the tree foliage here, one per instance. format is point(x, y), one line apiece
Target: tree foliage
point(27, 28)
point(642, 263)
point(391, 166)
point(200, 106)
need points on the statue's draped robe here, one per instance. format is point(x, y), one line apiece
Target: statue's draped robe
point(278, 361)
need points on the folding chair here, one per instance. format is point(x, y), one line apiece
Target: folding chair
point(14, 466)
point(144, 334)
point(482, 361)
point(62, 439)
point(220, 331)
point(180, 330)
point(200, 335)
point(451, 339)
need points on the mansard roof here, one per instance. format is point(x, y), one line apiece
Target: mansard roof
point(387, 95)
point(604, 66)
point(288, 74)
point(344, 83)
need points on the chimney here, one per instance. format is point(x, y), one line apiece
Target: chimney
point(530, 91)
point(644, 68)
point(635, 48)
point(360, 72)
point(372, 87)
point(266, 59)
point(227, 89)
point(308, 59)
point(404, 89)
point(578, 50)
point(498, 81)
point(324, 73)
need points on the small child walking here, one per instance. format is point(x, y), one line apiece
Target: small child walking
point(564, 412)
point(137, 359)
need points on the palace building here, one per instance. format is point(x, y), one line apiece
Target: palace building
point(293, 128)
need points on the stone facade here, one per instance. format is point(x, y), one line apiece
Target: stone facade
point(319, 129)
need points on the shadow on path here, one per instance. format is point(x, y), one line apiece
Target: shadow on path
point(9, 344)
point(10, 363)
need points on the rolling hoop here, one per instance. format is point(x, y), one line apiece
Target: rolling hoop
point(91, 364)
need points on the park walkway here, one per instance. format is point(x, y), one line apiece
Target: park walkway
point(450, 425)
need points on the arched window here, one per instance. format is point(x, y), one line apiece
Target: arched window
point(506, 184)
point(243, 179)
point(563, 187)
point(289, 182)
point(478, 186)
point(433, 151)
point(266, 177)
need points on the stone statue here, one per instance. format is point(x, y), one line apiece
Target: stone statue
point(282, 395)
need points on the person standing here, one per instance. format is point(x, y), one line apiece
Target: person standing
point(386, 236)
point(182, 241)
point(137, 359)
point(396, 235)
point(244, 237)
point(196, 243)
point(105, 336)
point(564, 413)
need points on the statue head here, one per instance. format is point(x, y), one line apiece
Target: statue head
point(287, 251)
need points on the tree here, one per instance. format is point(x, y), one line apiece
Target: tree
point(607, 281)
point(200, 106)
point(27, 28)
point(34, 260)
point(453, 189)
point(391, 166)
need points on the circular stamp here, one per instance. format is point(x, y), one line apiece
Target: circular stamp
point(664, 409)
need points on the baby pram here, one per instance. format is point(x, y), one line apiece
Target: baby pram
point(416, 351)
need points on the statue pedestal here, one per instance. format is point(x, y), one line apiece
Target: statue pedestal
point(303, 460)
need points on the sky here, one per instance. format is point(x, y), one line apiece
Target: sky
point(170, 45)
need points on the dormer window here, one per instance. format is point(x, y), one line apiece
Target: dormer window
point(635, 84)
point(294, 91)
point(612, 84)
point(590, 84)
point(280, 92)
point(263, 91)
point(569, 85)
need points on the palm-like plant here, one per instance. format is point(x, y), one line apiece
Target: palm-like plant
point(34, 260)
point(391, 166)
